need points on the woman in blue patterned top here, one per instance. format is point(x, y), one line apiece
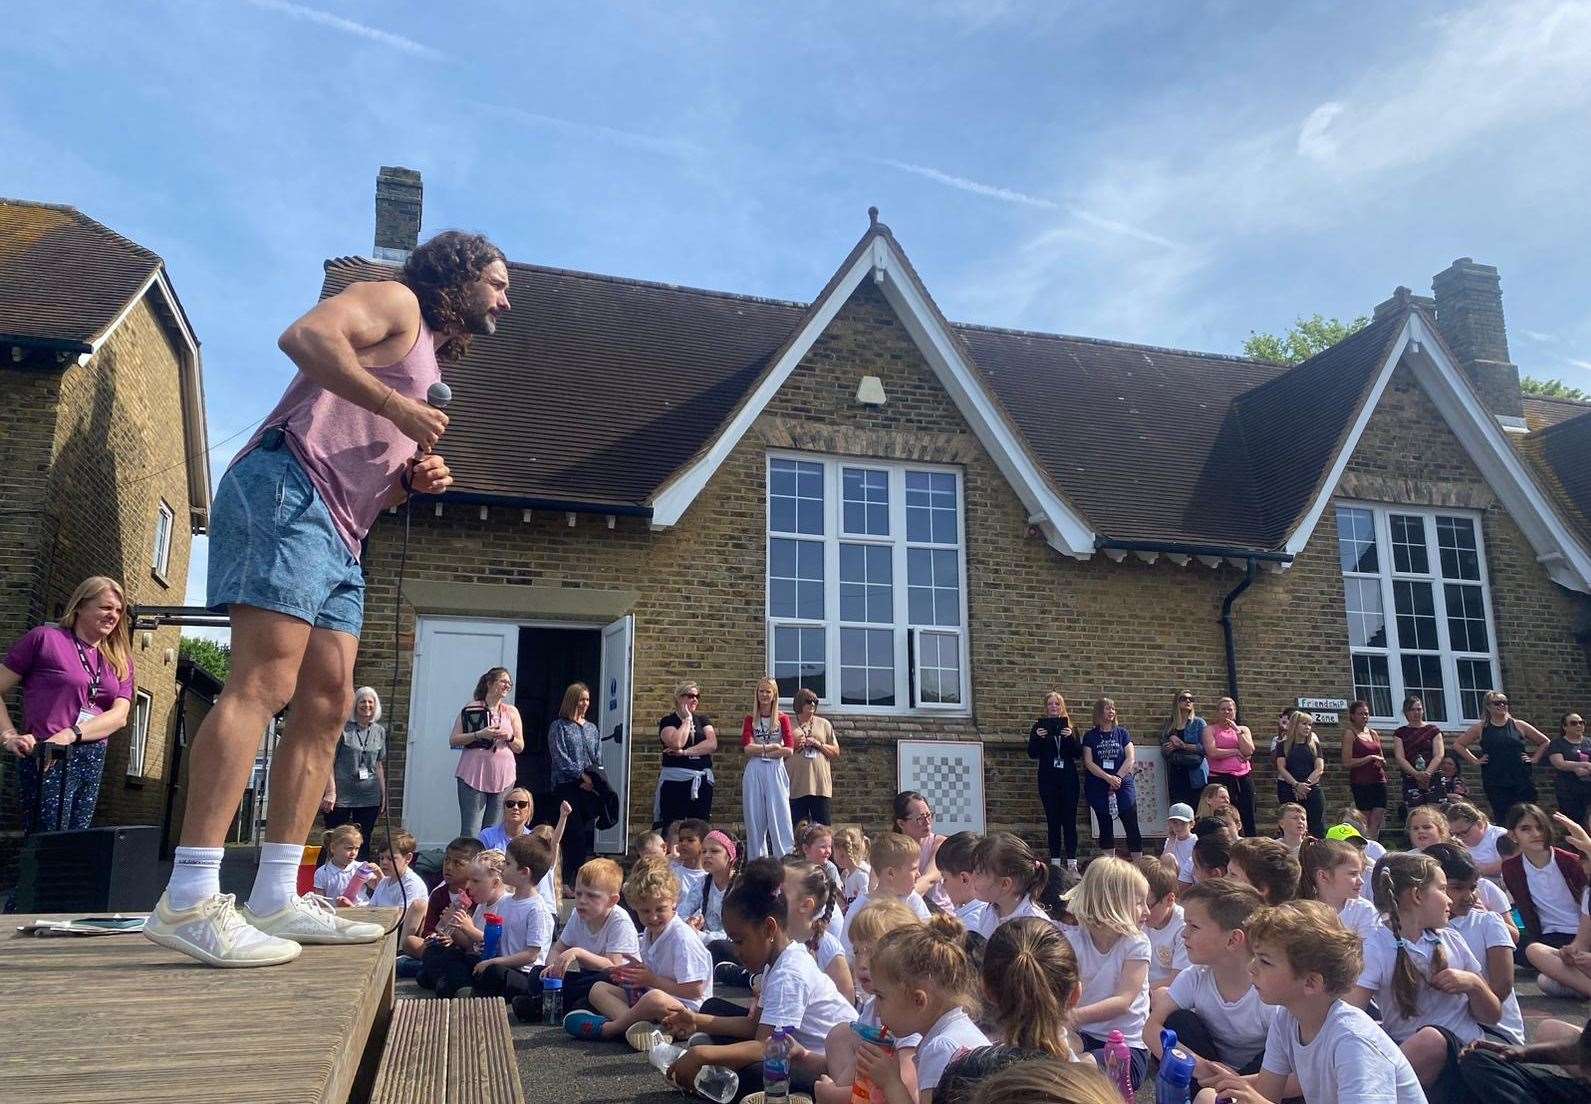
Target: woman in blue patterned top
point(575, 747)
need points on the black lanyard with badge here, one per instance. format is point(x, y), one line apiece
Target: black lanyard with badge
point(87, 712)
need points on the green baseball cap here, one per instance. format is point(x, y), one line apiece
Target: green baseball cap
point(1343, 832)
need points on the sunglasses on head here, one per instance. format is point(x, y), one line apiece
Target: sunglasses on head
point(516, 804)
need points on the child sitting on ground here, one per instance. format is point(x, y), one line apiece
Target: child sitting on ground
point(1213, 1005)
point(1009, 877)
point(1332, 872)
point(1031, 985)
point(1489, 940)
point(450, 894)
point(1212, 857)
point(718, 859)
point(401, 888)
point(1351, 828)
point(1211, 827)
point(449, 961)
point(1545, 882)
point(1168, 955)
point(339, 848)
point(895, 870)
point(851, 859)
point(1566, 971)
point(1426, 825)
point(1292, 826)
point(811, 897)
point(956, 860)
point(515, 971)
point(651, 845)
point(795, 995)
point(1216, 801)
point(1179, 837)
point(815, 842)
point(926, 986)
point(1265, 865)
point(687, 865)
point(1305, 961)
point(598, 936)
point(675, 971)
point(1111, 904)
point(867, 928)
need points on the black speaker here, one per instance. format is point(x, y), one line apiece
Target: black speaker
point(95, 870)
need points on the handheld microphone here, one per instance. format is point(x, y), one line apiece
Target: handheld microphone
point(439, 395)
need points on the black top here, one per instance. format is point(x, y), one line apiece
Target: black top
point(1564, 782)
point(688, 762)
point(1054, 743)
point(1300, 761)
point(1504, 749)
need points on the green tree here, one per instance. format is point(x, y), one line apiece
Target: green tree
point(208, 656)
point(1307, 337)
point(1549, 388)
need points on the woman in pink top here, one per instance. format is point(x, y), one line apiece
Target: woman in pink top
point(1229, 747)
point(490, 732)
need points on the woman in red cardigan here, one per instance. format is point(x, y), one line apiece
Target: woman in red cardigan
point(1547, 883)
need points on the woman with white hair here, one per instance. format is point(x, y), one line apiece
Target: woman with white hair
point(358, 785)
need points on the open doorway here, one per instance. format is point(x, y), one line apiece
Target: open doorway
point(549, 660)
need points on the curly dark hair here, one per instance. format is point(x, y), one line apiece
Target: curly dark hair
point(438, 271)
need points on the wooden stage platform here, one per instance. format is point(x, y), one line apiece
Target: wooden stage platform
point(114, 1018)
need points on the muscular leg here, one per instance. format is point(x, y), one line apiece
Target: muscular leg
point(267, 650)
point(319, 706)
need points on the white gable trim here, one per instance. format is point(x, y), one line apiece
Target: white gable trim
point(1062, 526)
point(1565, 559)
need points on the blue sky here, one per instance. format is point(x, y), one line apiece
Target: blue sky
point(1172, 173)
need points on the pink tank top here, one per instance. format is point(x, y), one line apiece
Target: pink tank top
point(353, 457)
point(1226, 738)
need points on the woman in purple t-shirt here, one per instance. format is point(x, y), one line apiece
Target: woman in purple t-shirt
point(77, 687)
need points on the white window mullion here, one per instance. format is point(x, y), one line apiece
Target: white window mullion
point(1389, 605)
point(1444, 640)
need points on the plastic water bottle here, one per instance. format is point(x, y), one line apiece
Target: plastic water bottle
point(1118, 1066)
point(718, 1084)
point(551, 1001)
point(776, 1067)
point(493, 936)
point(362, 875)
point(862, 1090)
point(1174, 1085)
point(663, 1055)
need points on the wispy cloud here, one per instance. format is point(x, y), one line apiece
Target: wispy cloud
point(1314, 137)
point(348, 26)
point(1586, 364)
point(1537, 335)
point(654, 143)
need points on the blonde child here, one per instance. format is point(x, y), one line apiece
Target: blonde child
point(1213, 1006)
point(851, 858)
point(895, 872)
point(1292, 826)
point(1031, 985)
point(1216, 801)
point(1426, 825)
point(925, 985)
point(340, 849)
point(651, 845)
point(675, 971)
point(401, 888)
point(815, 842)
point(811, 896)
point(1489, 939)
point(1265, 865)
point(957, 862)
point(449, 965)
point(795, 995)
point(528, 924)
point(1010, 878)
point(1169, 956)
point(1111, 904)
point(1332, 872)
point(869, 926)
point(1479, 836)
point(1421, 973)
point(598, 936)
point(1305, 962)
point(1046, 1081)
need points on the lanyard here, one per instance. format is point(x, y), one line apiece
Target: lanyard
point(93, 672)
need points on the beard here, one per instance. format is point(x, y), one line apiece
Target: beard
point(479, 320)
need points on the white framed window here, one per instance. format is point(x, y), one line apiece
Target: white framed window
point(165, 521)
point(143, 708)
point(1419, 610)
point(866, 599)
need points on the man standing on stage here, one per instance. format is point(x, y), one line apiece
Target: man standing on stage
point(285, 533)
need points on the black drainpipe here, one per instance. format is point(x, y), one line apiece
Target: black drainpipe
point(1226, 626)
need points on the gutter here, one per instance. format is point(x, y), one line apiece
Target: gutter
point(1172, 548)
point(56, 344)
point(1226, 625)
point(553, 505)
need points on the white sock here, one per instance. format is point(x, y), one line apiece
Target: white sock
point(195, 875)
point(276, 882)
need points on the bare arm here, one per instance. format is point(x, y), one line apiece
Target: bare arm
point(673, 737)
point(708, 745)
point(1245, 741)
point(516, 742)
point(1400, 759)
point(1462, 744)
point(111, 721)
point(1130, 984)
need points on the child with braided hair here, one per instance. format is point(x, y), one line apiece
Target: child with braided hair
point(811, 895)
point(1431, 989)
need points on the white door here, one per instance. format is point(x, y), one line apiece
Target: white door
point(450, 657)
point(614, 724)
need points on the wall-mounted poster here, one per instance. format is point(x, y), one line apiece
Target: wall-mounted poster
point(949, 773)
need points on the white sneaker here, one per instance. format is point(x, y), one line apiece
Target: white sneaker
point(216, 934)
point(311, 918)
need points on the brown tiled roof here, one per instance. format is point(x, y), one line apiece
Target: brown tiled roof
point(596, 389)
point(1541, 412)
point(64, 278)
point(1561, 454)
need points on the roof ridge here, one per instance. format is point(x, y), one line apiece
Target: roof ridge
point(1112, 343)
point(607, 278)
point(1558, 399)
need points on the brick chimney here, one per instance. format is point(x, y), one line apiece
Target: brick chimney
point(1469, 312)
point(1402, 299)
point(399, 197)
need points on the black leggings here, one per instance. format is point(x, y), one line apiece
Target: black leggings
point(364, 816)
point(1487, 1077)
point(674, 803)
point(1194, 1034)
point(1241, 790)
point(446, 969)
point(1059, 798)
point(579, 835)
point(1127, 811)
point(1504, 797)
point(812, 807)
point(507, 982)
point(1555, 940)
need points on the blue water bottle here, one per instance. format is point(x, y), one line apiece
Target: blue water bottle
point(493, 936)
point(1174, 1085)
point(776, 1067)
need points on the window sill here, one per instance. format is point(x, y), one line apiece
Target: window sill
point(134, 782)
point(159, 578)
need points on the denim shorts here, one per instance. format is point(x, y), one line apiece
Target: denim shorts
point(273, 545)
